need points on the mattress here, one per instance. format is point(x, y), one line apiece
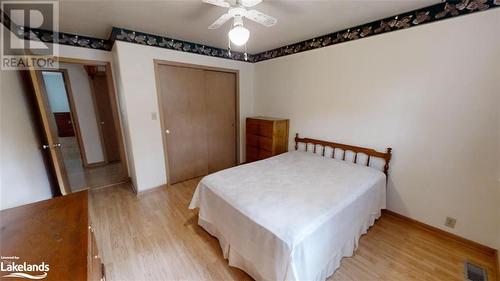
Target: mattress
point(292, 216)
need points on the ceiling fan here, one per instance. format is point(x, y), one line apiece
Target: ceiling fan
point(239, 34)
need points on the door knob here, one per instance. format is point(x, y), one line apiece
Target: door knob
point(56, 145)
point(102, 123)
point(45, 146)
point(167, 132)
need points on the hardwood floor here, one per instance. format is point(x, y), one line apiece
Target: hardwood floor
point(92, 177)
point(81, 177)
point(153, 236)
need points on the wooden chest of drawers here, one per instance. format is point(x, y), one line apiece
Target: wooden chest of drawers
point(265, 137)
point(55, 232)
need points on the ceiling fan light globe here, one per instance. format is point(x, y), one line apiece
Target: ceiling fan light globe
point(239, 35)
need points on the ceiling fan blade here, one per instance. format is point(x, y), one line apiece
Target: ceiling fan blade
point(250, 3)
point(261, 18)
point(220, 3)
point(220, 21)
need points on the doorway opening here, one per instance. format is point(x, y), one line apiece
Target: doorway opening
point(81, 113)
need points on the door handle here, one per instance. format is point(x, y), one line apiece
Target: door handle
point(167, 132)
point(102, 123)
point(56, 145)
point(45, 146)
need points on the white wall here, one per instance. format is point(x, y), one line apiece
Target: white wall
point(54, 84)
point(137, 88)
point(429, 92)
point(87, 118)
point(22, 172)
point(498, 157)
point(124, 120)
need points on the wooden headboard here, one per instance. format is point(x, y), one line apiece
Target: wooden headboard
point(369, 152)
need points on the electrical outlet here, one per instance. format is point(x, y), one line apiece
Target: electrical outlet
point(450, 222)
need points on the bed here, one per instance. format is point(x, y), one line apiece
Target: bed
point(294, 216)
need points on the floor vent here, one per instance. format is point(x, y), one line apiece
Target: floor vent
point(475, 273)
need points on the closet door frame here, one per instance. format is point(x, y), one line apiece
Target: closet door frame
point(163, 123)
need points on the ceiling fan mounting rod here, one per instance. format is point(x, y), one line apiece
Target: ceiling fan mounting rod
point(237, 12)
point(238, 21)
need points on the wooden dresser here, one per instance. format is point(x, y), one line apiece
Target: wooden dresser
point(55, 232)
point(266, 137)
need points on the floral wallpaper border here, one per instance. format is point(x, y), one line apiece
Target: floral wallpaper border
point(437, 12)
point(55, 37)
point(122, 34)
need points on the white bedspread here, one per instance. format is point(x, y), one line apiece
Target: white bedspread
point(292, 216)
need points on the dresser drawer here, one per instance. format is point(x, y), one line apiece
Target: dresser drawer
point(252, 153)
point(266, 129)
point(266, 143)
point(252, 158)
point(260, 127)
point(265, 137)
point(253, 140)
point(260, 142)
point(252, 150)
point(263, 154)
point(253, 127)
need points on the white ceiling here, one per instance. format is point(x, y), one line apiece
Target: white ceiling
point(188, 19)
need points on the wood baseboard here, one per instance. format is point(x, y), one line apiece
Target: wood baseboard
point(123, 181)
point(497, 260)
point(132, 186)
point(446, 235)
point(142, 192)
point(96, 164)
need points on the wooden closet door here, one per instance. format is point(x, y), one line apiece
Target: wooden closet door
point(183, 106)
point(221, 119)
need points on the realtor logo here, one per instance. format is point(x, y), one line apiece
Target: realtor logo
point(23, 19)
point(15, 269)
